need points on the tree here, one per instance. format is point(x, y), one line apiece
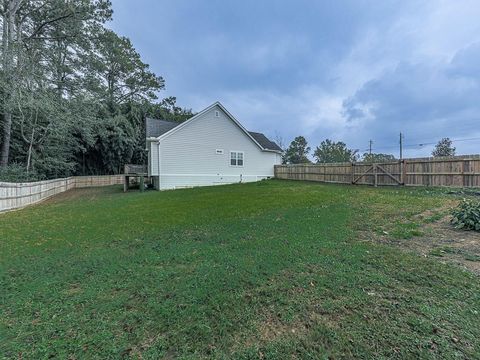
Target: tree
point(114, 145)
point(297, 152)
point(8, 13)
point(73, 94)
point(47, 35)
point(167, 109)
point(279, 140)
point(444, 148)
point(122, 84)
point(377, 158)
point(330, 151)
point(119, 75)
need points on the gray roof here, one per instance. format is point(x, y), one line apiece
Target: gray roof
point(264, 142)
point(157, 127)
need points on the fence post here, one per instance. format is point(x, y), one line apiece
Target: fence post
point(16, 197)
point(404, 171)
point(353, 172)
point(376, 174)
point(400, 170)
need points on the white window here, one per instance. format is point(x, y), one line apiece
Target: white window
point(217, 114)
point(236, 158)
point(219, 151)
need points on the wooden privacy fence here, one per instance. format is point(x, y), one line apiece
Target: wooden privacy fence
point(17, 195)
point(457, 171)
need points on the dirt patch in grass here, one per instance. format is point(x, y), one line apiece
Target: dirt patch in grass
point(450, 244)
point(272, 328)
point(435, 237)
point(137, 351)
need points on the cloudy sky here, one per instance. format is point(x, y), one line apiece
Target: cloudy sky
point(349, 70)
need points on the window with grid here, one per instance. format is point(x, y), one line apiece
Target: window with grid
point(236, 158)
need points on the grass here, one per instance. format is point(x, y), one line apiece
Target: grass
point(406, 230)
point(467, 255)
point(270, 270)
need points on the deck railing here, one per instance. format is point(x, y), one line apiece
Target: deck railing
point(135, 169)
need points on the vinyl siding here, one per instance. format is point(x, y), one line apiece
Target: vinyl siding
point(188, 156)
point(153, 158)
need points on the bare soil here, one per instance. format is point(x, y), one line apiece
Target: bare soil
point(442, 241)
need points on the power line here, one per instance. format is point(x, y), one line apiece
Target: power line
point(419, 145)
point(460, 127)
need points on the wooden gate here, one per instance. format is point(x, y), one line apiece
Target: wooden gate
point(460, 171)
point(378, 174)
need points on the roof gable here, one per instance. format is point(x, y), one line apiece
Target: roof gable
point(160, 129)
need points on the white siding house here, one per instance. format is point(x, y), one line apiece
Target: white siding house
point(210, 148)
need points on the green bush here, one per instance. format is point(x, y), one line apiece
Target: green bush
point(467, 215)
point(17, 173)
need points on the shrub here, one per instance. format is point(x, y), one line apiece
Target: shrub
point(17, 173)
point(467, 215)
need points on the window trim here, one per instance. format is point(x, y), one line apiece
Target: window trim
point(236, 158)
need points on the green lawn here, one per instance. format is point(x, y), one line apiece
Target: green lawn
point(269, 270)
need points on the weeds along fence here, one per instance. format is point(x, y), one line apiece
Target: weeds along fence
point(17, 195)
point(461, 171)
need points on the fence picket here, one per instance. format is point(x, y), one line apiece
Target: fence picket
point(17, 195)
point(461, 171)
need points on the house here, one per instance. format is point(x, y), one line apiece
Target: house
point(210, 148)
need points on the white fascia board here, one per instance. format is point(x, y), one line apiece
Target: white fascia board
point(274, 151)
point(193, 118)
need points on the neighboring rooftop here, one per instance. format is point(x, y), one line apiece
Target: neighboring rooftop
point(158, 127)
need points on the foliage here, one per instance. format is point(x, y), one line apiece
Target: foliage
point(297, 152)
point(16, 173)
point(467, 215)
point(444, 148)
point(118, 74)
point(42, 42)
point(114, 144)
point(273, 268)
point(68, 84)
point(330, 152)
point(377, 157)
point(167, 109)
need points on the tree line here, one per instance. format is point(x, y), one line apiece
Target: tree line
point(73, 93)
point(329, 151)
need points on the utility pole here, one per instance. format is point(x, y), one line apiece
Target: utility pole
point(401, 146)
point(370, 147)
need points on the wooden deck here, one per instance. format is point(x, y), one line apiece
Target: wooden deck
point(136, 171)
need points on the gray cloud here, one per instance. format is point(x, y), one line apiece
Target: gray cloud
point(350, 70)
point(424, 101)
